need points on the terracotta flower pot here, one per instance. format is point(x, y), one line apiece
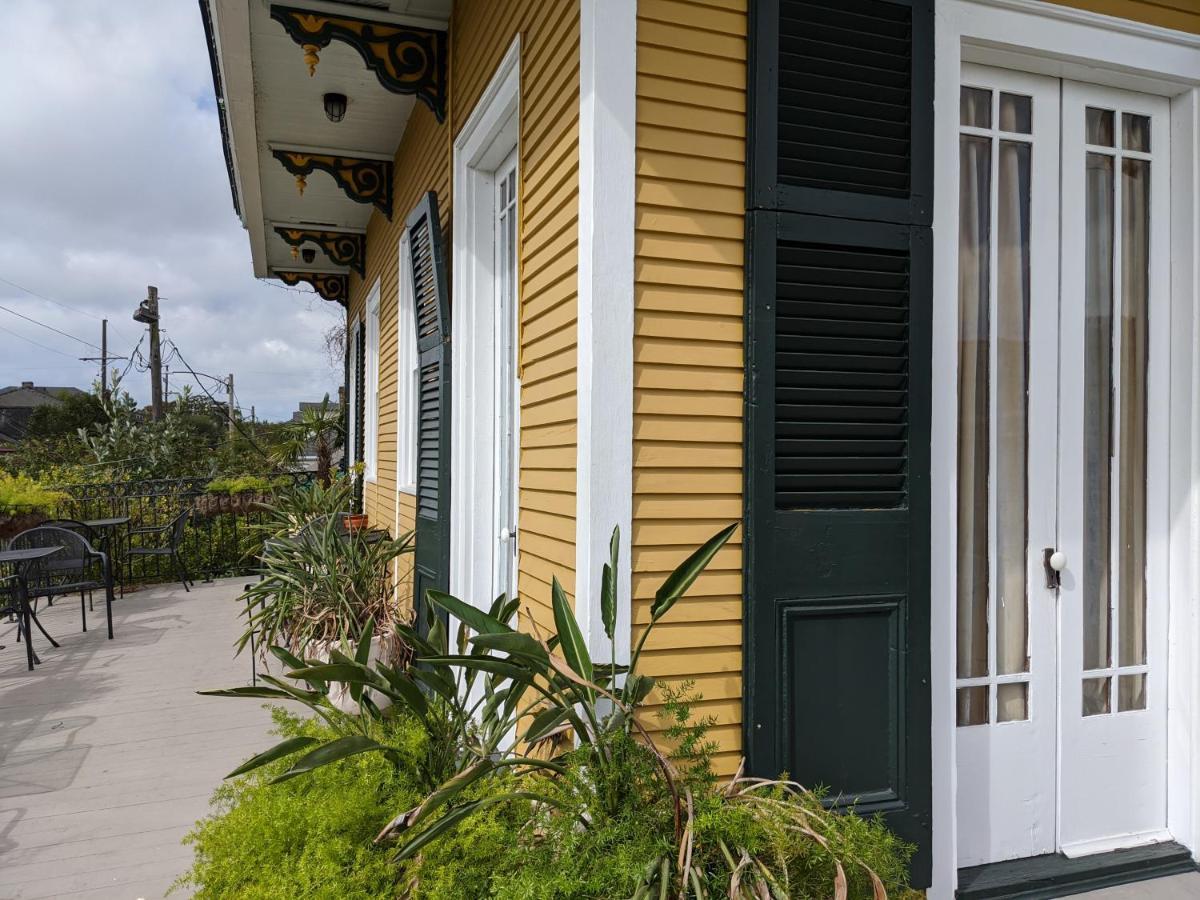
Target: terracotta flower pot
point(356, 522)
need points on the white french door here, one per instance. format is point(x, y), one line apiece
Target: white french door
point(1061, 591)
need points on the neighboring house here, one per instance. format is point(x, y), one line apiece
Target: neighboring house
point(908, 286)
point(308, 460)
point(17, 404)
point(306, 405)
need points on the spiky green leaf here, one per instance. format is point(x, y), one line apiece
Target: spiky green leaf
point(574, 649)
point(688, 571)
point(479, 621)
point(330, 753)
point(280, 750)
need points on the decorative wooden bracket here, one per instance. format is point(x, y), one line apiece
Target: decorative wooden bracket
point(362, 180)
point(346, 248)
point(329, 286)
point(405, 59)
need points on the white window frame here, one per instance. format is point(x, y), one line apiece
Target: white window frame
point(407, 374)
point(488, 137)
point(352, 395)
point(371, 388)
point(1045, 38)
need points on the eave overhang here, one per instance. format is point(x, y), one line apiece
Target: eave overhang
point(301, 181)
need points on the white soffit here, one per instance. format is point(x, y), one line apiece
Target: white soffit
point(272, 101)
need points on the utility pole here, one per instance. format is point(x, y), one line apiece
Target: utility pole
point(229, 399)
point(253, 419)
point(147, 313)
point(167, 383)
point(103, 359)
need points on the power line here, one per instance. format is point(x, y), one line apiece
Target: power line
point(133, 355)
point(233, 421)
point(57, 303)
point(51, 328)
point(36, 344)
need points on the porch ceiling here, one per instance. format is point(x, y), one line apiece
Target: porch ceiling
point(271, 102)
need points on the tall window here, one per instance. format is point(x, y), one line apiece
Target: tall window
point(371, 388)
point(407, 374)
point(508, 386)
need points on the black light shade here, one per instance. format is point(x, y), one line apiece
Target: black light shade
point(144, 314)
point(335, 107)
point(308, 254)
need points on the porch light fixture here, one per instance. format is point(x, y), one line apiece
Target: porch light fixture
point(335, 106)
point(145, 313)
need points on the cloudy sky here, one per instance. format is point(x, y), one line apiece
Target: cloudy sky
point(112, 178)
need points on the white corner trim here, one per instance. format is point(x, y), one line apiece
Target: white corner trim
point(604, 467)
point(487, 138)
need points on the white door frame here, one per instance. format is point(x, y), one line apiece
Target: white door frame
point(487, 139)
point(1045, 38)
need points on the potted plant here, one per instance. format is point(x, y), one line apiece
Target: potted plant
point(239, 495)
point(354, 522)
point(319, 589)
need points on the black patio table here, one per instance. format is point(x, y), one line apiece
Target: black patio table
point(19, 560)
point(106, 528)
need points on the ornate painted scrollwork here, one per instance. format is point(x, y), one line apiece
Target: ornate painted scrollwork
point(405, 59)
point(362, 180)
point(346, 248)
point(329, 286)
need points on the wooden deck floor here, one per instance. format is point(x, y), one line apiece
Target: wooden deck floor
point(107, 756)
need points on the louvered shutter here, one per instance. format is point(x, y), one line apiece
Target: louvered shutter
point(360, 406)
point(426, 256)
point(837, 490)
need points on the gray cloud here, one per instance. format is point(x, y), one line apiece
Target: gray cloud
point(112, 178)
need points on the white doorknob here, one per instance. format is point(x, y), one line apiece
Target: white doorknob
point(505, 534)
point(1058, 560)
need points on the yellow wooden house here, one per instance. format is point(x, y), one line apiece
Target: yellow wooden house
point(908, 287)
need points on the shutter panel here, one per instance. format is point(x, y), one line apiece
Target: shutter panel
point(427, 258)
point(360, 406)
point(837, 419)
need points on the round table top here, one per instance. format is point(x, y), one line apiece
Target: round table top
point(107, 523)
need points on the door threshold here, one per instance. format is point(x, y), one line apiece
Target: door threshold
point(1054, 875)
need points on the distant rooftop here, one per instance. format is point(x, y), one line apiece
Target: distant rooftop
point(27, 395)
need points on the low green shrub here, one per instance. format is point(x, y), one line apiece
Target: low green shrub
point(585, 804)
point(305, 837)
point(240, 484)
point(20, 494)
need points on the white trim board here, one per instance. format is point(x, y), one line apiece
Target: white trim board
point(371, 386)
point(604, 466)
point(487, 138)
point(1054, 40)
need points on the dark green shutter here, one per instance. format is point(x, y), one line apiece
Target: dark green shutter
point(427, 259)
point(360, 406)
point(838, 355)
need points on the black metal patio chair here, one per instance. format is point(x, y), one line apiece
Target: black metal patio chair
point(172, 533)
point(77, 568)
point(88, 535)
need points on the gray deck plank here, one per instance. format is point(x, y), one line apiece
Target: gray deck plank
point(107, 755)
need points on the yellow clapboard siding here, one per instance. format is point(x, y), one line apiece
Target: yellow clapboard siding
point(482, 32)
point(668, 220)
point(697, 16)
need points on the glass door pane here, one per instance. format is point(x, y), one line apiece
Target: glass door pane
point(995, 198)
